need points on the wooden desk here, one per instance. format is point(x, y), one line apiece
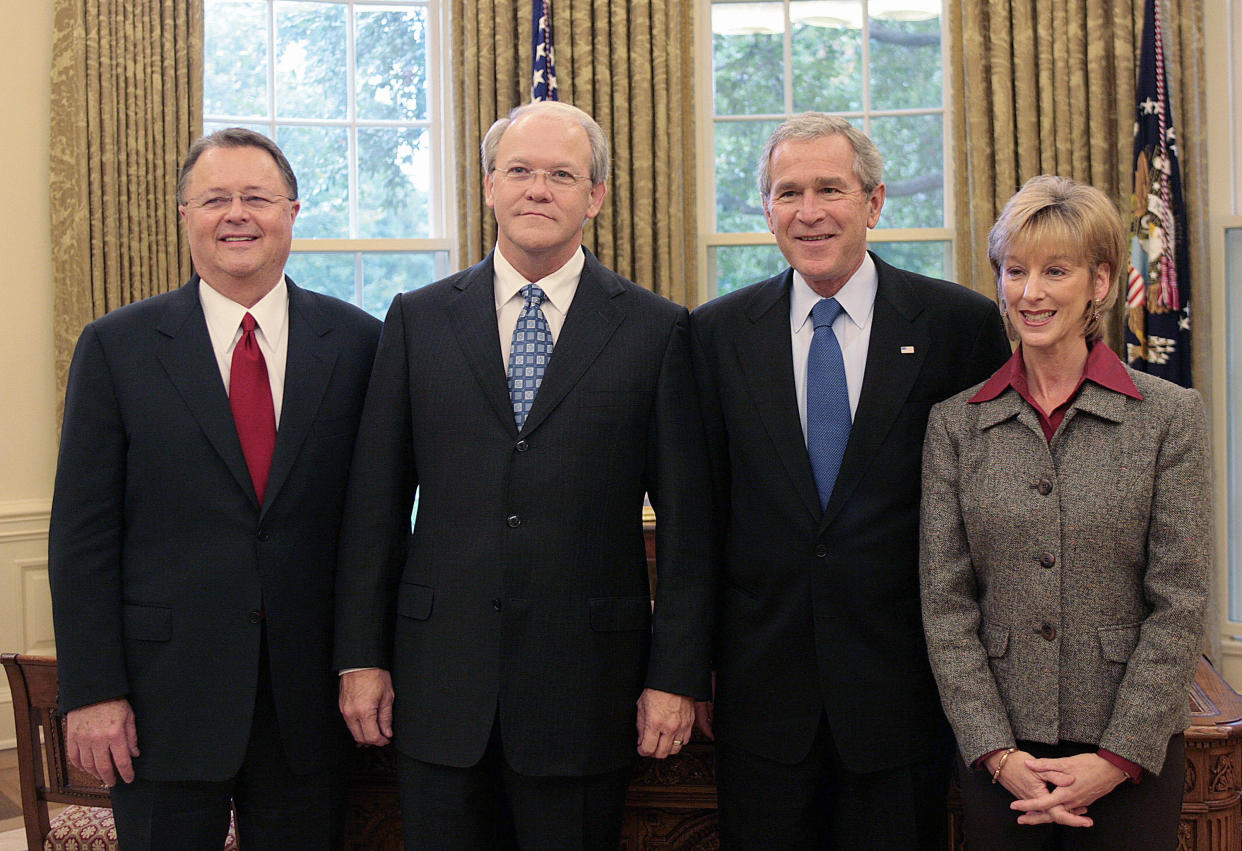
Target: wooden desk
point(1212, 803)
point(671, 804)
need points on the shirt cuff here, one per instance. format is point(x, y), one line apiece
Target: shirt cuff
point(981, 762)
point(1134, 771)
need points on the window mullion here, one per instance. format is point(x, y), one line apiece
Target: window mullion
point(351, 112)
point(271, 68)
point(866, 66)
point(787, 58)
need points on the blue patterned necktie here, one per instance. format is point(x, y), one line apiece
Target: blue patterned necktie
point(828, 418)
point(528, 356)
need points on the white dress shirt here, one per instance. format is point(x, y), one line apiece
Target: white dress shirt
point(852, 327)
point(271, 314)
point(558, 289)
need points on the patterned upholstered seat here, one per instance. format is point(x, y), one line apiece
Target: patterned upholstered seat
point(79, 828)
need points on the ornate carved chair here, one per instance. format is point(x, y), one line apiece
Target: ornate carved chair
point(45, 773)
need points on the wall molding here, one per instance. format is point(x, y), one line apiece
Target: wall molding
point(23, 607)
point(24, 520)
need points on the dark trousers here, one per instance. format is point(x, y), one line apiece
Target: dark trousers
point(819, 803)
point(276, 809)
point(491, 806)
point(1142, 815)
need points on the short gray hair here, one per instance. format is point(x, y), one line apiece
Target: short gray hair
point(235, 137)
point(600, 157)
point(868, 163)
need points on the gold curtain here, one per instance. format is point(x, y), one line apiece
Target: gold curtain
point(1047, 87)
point(628, 64)
point(127, 100)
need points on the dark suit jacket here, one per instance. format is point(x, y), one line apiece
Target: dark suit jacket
point(819, 610)
point(524, 583)
point(160, 557)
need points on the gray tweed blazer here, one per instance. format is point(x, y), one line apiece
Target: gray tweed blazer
point(1064, 584)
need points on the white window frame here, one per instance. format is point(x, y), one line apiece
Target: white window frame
point(1226, 422)
point(705, 121)
point(438, 123)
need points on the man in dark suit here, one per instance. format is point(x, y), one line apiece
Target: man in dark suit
point(515, 624)
point(193, 543)
point(828, 727)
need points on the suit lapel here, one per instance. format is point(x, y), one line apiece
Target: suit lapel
point(895, 355)
point(593, 317)
point(765, 353)
point(472, 316)
point(184, 351)
point(308, 368)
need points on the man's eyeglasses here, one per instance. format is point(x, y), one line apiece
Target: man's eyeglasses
point(521, 175)
point(252, 202)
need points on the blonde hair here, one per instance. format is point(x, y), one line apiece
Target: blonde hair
point(1052, 210)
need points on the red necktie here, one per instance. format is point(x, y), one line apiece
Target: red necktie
point(250, 397)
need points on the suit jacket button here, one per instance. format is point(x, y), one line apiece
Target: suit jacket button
point(1047, 560)
point(1048, 631)
point(1045, 487)
point(521, 446)
point(496, 604)
point(821, 551)
point(254, 616)
point(514, 521)
point(263, 535)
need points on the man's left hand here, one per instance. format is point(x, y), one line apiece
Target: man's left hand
point(664, 722)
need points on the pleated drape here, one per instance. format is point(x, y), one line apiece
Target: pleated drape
point(630, 65)
point(127, 83)
point(1047, 87)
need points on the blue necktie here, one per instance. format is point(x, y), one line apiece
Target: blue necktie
point(528, 356)
point(828, 418)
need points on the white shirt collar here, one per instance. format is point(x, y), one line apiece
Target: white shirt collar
point(857, 297)
point(558, 287)
point(224, 315)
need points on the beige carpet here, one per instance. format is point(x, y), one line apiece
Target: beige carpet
point(13, 840)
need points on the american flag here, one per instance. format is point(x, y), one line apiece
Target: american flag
point(544, 86)
point(1158, 287)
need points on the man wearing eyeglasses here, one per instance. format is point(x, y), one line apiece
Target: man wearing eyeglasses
point(531, 401)
point(207, 437)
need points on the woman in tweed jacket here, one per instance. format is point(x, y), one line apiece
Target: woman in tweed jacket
point(1065, 552)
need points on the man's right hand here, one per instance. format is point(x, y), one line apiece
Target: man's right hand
point(366, 704)
point(102, 736)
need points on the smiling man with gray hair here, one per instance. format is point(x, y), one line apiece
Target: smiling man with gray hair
point(816, 386)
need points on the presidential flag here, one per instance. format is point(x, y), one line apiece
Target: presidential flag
point(1158, 288)
point(544, 86)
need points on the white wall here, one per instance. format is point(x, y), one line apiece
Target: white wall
point(27, 386)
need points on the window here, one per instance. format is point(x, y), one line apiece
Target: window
point(878, 63)
point(1232, 366)
point(351, 91)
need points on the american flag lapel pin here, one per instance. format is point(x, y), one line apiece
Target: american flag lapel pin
point(907, 350)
